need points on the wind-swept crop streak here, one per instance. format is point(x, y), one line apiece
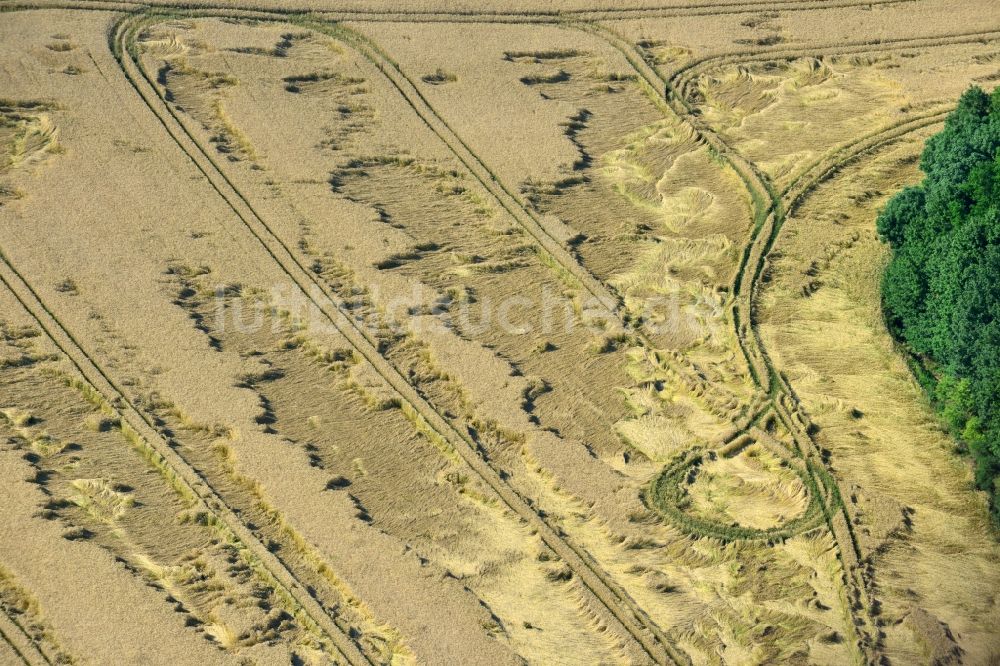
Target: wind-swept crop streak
point(499, 191)
point(631, 617)
point(786, 405)
point(561, 258)
point(100, 385)
point(769, 213)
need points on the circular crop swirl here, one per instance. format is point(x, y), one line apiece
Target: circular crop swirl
point(667, 494)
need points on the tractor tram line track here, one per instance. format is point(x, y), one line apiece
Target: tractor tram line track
point(632, 619)
point(787, 406)
point(770, 207)
point(472, 16)
point(762, 239)
point(20, 642)
point(785, 403)
point(96, 379)
point(767, 205)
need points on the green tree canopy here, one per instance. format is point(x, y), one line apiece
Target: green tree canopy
point(941, 290)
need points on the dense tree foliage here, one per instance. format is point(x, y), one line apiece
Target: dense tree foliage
point(941, 291)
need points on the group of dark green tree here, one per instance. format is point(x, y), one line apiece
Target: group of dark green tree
point(941, 290)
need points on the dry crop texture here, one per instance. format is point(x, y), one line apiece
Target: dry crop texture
point(428, 333)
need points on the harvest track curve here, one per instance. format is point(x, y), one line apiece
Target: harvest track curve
point(785, 401)
point(770, 214)
point(681, 80)
point(525, 217)
point(625, 611)
point(665, 495)
point(758, 185)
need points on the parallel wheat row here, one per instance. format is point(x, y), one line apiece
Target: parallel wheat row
point(99, 385)
point(770, 210)
point(604, 589)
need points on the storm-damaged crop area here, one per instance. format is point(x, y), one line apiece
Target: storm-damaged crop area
point(378, 333)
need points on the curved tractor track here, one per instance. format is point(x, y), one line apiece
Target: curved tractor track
point(765, 233)
point(782, 396)
point(602, 295)
point(771, 211)
point(784, 399)
point(632, 619)
point(770, 220)
point(828, 164)
point(682, 79)
point(770, 207)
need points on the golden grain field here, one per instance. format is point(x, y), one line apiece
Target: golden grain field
point(343, 332)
